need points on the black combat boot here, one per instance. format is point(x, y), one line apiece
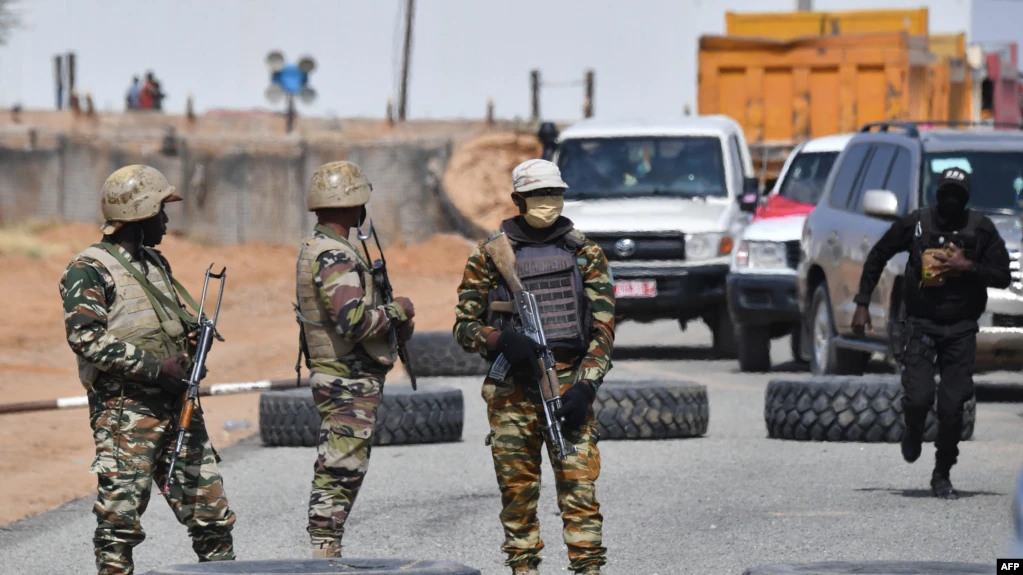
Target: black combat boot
point(941, 485)
point(913, 436)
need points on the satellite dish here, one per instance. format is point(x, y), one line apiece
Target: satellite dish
point(306, 64)
point(275, 93)
point(275, 61)
point(307, 95)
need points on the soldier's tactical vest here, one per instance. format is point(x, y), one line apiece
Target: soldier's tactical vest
point(551, 273)
point(322, 341)
point(136, 316)
point(959, 296)
point(927, 239)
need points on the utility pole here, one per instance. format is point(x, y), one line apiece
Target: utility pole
point(403, 96)
point(804, 5)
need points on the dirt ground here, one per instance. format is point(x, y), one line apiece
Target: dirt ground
point(46, 455)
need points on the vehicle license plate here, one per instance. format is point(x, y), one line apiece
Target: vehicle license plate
point(636, 288)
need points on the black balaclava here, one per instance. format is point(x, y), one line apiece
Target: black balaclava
point(952, 195)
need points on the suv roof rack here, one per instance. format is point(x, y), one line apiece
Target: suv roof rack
point(909, 127)
point(912, 128)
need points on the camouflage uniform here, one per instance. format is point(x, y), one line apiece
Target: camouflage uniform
point(121, 340)
point(517, 421)
point(345, 334)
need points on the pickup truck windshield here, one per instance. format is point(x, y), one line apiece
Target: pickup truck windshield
point(643, 166)
point(996, 178)
point(804, 180)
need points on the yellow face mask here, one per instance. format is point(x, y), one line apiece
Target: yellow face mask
point(543, 211)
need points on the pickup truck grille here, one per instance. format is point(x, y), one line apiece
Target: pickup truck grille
point(1002, 320)
point(792, 253)
point(641, 245)
point(1015, 273)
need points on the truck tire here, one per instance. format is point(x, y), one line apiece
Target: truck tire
point(433, 414)
point(723, 334)
point(860, 409)
point(872, 568)
point(318, 567)
point(754, 348)
point(435, 353)
point(651, 410)
point(827, 358)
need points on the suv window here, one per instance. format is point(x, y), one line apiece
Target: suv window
point(877, 171)
point(996, 178)
point(845, 179)
point(804, 180)
point(900, 178)
point(678, 166)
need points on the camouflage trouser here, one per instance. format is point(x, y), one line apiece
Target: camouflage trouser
point(133, 453)
point(517, 427)
point(348, 409)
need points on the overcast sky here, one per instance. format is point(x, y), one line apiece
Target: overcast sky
point(643, 51)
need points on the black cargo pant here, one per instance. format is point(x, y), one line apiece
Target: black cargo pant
point(948, 350)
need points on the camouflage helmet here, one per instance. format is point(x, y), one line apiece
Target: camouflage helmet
point(134, 193)
point(338, 185)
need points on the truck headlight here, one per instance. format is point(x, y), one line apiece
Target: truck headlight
point(707, 246)
point(761, 255)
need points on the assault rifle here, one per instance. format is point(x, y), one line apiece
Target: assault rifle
point(207, 332)
point(383, 283)
point(528, 313)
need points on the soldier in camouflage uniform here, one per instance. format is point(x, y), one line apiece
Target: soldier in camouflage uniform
point(570, 276)
point(130, 332)
point(344, 336)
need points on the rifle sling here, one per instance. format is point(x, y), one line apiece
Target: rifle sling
point(154, 294)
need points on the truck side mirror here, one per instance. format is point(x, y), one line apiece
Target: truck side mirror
point(881, 204)
point(750, 197)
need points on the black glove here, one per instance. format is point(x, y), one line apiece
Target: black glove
point(575, 403)
point(520, 351)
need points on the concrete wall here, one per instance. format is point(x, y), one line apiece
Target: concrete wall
point(254, 193)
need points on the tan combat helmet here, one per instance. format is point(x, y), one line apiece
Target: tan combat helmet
point(134, 193)
point(338, 185)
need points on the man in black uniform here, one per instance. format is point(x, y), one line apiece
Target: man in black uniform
point(955, 254)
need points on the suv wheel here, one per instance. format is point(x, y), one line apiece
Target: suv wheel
point(754, 348)
point(723, 331)
point(827, 358)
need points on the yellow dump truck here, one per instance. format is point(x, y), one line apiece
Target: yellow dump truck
point(785, 92)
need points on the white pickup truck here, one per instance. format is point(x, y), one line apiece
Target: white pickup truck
point(665, 201)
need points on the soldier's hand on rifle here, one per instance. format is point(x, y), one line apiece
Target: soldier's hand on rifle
point(405, 330)
point(575, 403)
point(520, 350)
point(172, 374)
point(402, 308)
point(193, 341)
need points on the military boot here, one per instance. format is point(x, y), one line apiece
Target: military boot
point(327, 550)
point(525, 570)
point(941, 485)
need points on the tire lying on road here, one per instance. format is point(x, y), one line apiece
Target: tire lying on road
point(432, 414)
point(844, 408)
point(872, 568)
point(651, 410)
point(319, 567)
point(435, 353)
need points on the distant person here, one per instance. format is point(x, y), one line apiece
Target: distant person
point(146, 94)
point(133, 94)
point(156, 94)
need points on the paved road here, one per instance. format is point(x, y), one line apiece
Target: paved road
point(713, 505)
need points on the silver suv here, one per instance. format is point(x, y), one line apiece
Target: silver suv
point(880, 176)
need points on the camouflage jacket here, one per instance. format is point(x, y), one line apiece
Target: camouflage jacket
point(88, 291)
point(481, 276)
point(338, 282)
